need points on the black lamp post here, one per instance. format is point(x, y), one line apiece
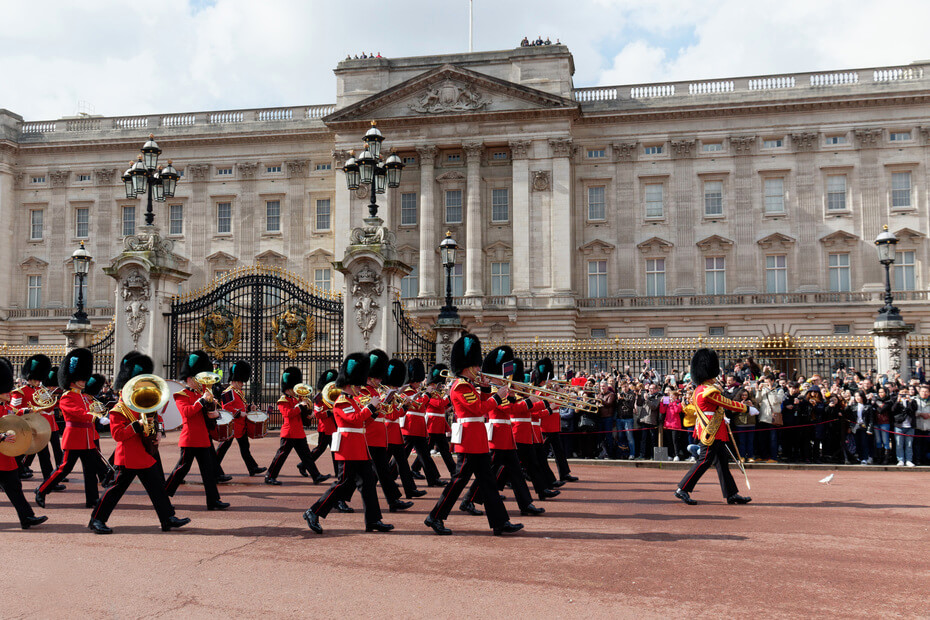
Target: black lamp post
point(145, 176)
point(447, 253)
point(370, 168)
point(81, 260)
point(885, 244)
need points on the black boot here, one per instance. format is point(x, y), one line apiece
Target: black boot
point(30, 521)
point(508, 528)
point(99, 527)
point(313, 521)
point(342, 506)
point(736, 498)
point(437, 526)
point(378, 526)
point(470, 508)
point(683, 496)
point(531, 511)
point(174, 522)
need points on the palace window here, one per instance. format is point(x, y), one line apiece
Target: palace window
point(836, 192)
point(774, 195)
point(458, 281)
point(655, 277)
point(597, 209)
point(899, 136)
point(715, 275)
point(129, 221)
point(711, 147)
point(224, 172)
point(273, 216)
point(839, 273)
point(900, 190)
point(655, 149)
point(176, 219)
point(36, 217)
point(499, 156)
point(657, 332)
point(34, 292)
point(598, 333)
point(322, 279)
point(410, 161)
point(597, 278)
point(596, 153)
point(713, 198)
point(500, 278)
point(37, 180)
point(717, 330)
point(32, 340)
point(322, 167)
point(835, 140)
point(776, 273)
point(904, 271)
point(500, 205)
point(655, 200)
point(224, 217)
point(841, 329)
point(81, 222)
point(408, 209)
point(453, 157)
point(454, 206)
point(322, 214)
point(83, 178)
point(773, 143)
point(410, 284)
point(273, 169)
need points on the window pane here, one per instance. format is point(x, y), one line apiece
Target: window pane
point(655, 277)
point(500, 278)
point(713, 198)
point(774, 195)
point(454, 206)
point(322, 214)
point(596, 203)
point(34, 292)
point(905, 271)
point(776, 274)
point(715, 275)
point(597, 278)
point(655, 200)
point(82, 221)
point(223, 217)
point(836, 192)
point(901, 189)
point(129, 221)
point(321, 279)
point(273, 216)
point(409, 285)
point(500, 205)
point(408, 209)
point(176, 220)
point(36, 218)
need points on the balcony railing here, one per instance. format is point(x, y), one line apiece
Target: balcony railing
point(51, 313)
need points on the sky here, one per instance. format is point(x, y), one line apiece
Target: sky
point(113, 57)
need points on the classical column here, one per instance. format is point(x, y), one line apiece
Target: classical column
point(202, 221)
point(870, 175)
point(681, 213)
point(293, 225)
point(809, 275)
point(744, 276)
point(625, 183)
point(7, 210)
point(474, 223)
point(561, 244)
point(428, 237)
point(103, 228)
point(521, 217)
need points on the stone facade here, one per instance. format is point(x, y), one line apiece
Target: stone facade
point(744, 206)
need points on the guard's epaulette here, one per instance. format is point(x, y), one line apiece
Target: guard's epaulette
point(183, 392)
point(227, 389)
point(342, 399)
point(283, 399)
point(19, 390)
point(709, 389)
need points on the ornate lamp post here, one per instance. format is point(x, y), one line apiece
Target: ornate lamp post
point(885, 244)
point(145, 176)
point(81, 260)
point(371, 169)
point(447, 254)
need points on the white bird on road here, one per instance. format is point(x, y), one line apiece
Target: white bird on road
point(827, 479)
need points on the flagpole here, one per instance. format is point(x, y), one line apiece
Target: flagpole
point(471, 25)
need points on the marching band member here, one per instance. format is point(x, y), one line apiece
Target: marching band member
point(552, 424)
point(36, 368)
point(436, 424)
point(414, 430)
point(711, 407)
point(106, 473)
point(135, 456)
point(349, 445)
point(470, 438)
point(376, 432)
point(326, 426)
point(293, 436)
point(196, 405)
point(9, 468)
point(394, 416)
point(233, 401)
point(80, 436)
point(525, 439)
point(539, 377)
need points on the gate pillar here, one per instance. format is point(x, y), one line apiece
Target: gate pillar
point(372, 282)
point(147, 274)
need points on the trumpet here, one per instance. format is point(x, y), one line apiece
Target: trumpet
point(207, 380)
point(330, 393)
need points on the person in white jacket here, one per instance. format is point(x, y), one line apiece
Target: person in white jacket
point(769, 397)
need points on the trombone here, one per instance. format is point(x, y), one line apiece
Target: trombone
point(529, 390)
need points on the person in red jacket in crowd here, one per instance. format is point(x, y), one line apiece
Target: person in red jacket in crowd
point(9, 468)
point(79, 440)
point(552, 424)
point(415, 422)
point(470, 438)
point(196, 404)
point(436, 424)
point(135, 455)
point(293, 436)
point(525, 438)
point(326, 426)
point(395, 416)
point(232, 400)
point(350, 447)
point(36, 368)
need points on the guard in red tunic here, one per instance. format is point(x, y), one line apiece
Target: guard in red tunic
point(376, 432)
point(196, 404)
point(351, 450)
point(525, 437)
point(415, 428)
point(79, 440)
point(712, 408)
point(9, 468)
point(394, 419)
point(136, 452)
point(295, 411)
point(552, 423)
point(36, 368)
point(325, 423)
point(436, 424)
point(232, 400)
point(470, 438)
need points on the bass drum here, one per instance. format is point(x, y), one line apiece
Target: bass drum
point(170, 414)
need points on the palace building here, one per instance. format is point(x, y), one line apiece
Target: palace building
point(740, 206)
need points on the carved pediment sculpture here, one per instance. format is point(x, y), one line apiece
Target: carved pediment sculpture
point(655, 246)
point(776, 241)
point(449, 96)
point(839, 238)
point(715, 243)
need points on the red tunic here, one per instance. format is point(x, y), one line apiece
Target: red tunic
point(502, 435)
point(130, 450)
point(21, 399)
point(292, 425)
point(392, 416)
point(522, 421)
point(80, 433)
point(194, 433)
point(7, 463)
point(350, 414)
point(234, 404)
point(551, 421)
point(415, 419)
point(324, 416)
point(436, 406)
point(471, 406)
point(707, 398)
point(376, 432)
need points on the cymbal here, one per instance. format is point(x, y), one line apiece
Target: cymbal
point(41, 431)
point(15, 446)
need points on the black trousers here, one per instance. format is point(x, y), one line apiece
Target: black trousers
point(206, 461)
point(244, 451)
point(647, 441)
point(529, 459)
point(302, 448)
point(554, 441)
point(352, 475)
point(396, 450)
point(55, 443)
point(441, 444)
point(90, 461)
point(479, 466)
point(323, 441)
point(505, 464)
point(13, 487)
point(379, 459)
point(424, 459)
point(154, 484)
point(715, 454)
point(542, 457)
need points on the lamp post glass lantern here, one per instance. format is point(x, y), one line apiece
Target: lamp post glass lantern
point(371, 169)
point(885, 244)
point(145, 176)
point(447, 250)
point(81, 260)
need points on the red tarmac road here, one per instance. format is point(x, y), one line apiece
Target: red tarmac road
point(616, 544)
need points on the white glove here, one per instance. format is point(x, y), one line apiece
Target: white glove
point(753, 411)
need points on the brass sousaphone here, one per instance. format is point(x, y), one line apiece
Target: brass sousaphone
point(18, 435)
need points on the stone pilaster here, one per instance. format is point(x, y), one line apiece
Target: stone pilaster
point(7, 210)
point(521, 216)
point(428, 236)
point(474, 222)
point(294, 226)
point(682, 215)
point(624, 154)
point(809, 275)
point(742, 275)
point(104, 223)
point(201, 221)
point(871, 174)
point(562, 246)
point(891, 348)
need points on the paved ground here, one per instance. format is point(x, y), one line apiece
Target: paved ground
point(614, 545)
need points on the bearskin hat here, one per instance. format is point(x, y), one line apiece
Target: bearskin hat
point(519, 370)
point(241, 370)
point(291, 377)
point(705, 365)
point(195, 363)
point(51, 379)
point(396, 373)
point(543, 371)
point(377, 364)
point(327, 377)
point(6, 376)
point(94, 385)
point(416, 372)
point(466, 352)
point(77, 365)
point(494, 361)
point(354, 370)
point(133, 365)
point(36, 367)
point(435, 373)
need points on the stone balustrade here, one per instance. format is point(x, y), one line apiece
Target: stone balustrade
point(43, 313)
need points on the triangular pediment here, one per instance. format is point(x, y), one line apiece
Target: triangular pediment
point(776, 241)
point(320, 254)
point(270, 257)
point(909, 235)
point(655, 245)
point(222, 257)
point(446, 91)
point(596, 247)
point(714, 243)
point(839, 238)
point(33, 263)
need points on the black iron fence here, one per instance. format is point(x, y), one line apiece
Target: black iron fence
point(413, 340)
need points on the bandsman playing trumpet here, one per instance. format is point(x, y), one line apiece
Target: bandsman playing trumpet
point(552, 423)
point(35, 368)
point(415, 421)
point(524, 436)
point(295, 407)
point(326, 395)
point(436, 424)
point(142, 395)
point(233, 401)
point(395, 417)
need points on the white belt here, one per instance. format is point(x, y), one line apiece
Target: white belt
point(420, 414)
point(343, 429)
point(386, 421)
point(521, 419)
point(498, 421)
point(463, 420)
point(537, 423)
point(435, 415)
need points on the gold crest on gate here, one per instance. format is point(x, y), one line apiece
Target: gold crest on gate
point(293, 331)
point(220, 332)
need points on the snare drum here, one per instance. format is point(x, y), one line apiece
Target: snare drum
point(256, 425)
point(223, 431)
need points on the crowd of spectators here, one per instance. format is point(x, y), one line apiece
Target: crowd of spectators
point(849, 417)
